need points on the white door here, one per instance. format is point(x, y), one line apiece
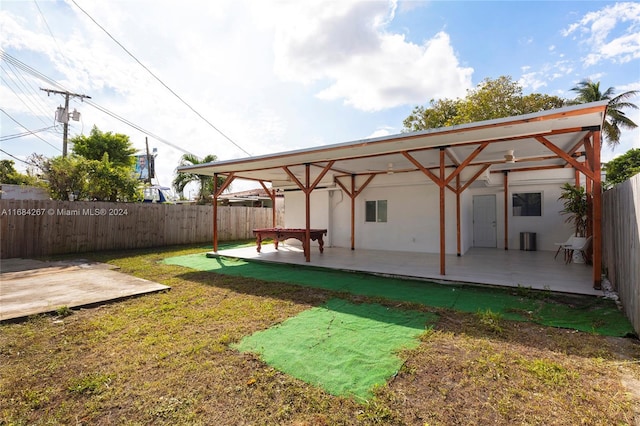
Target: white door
point(484, 221)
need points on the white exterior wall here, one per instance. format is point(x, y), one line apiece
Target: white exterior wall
point(466, 220)
point(413, 221)
point(550, 228)
point(294, 212)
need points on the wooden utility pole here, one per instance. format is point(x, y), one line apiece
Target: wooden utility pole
point(65, 123)
point(148, 180)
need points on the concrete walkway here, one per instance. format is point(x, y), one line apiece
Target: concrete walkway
point(29, 287)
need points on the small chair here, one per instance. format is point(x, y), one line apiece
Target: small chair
point(582, 248)
point(564, 246)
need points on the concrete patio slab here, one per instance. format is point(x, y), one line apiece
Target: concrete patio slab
point(539, 270)
point(29, 287)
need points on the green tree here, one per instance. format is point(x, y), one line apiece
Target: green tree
point(98, 143)
point(205, 183)
point(77, 178)
point(9, 175)
point(491, 99)
point(100, 167)
point(109, 182)
point(616, 120)
point(442, 113)
point(623, 167)
point(66, 177)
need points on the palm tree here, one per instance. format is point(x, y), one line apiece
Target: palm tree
point(205, 182)
point(588, 91)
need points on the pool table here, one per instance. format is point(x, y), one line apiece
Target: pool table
point(281, 234)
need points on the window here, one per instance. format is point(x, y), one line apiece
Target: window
point(376, 211)
point(527, 204)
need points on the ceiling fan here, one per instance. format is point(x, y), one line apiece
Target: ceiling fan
point(509, 156)
point(389, 170)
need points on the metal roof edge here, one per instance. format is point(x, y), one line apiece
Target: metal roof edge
point(399, 136)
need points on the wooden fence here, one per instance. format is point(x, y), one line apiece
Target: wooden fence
point(31, 228)
point(621, 244)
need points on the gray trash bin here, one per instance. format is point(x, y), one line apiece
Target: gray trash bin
point(528, 241)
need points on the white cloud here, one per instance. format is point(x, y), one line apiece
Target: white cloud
point(532, 80)
point(381, 132)
point(545, 74)
point(629, 87)
point(345, 48)
point(210, 53)
point(612, 33)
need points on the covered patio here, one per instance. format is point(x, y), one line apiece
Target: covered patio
point(529, 269)
point(452, 160)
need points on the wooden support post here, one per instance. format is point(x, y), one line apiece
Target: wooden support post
point(442, 213)
point(458, 238)
point(307, 205)
point(589, 194)
point(506, 209)
point(597, 213)
point(307, 187)
point(215, 212)
point(216, 193)
point(273, 208)
point(353, 212)
point(353, 194)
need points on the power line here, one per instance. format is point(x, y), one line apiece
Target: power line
point(161, 82)
point(19, 124)
point(135, 126)
point(26, 68)
point(16, 158)
point(27, 133)
point(20, 82)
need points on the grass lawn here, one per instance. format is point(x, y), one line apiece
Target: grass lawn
point(172, 358)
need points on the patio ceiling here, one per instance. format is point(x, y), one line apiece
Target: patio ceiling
point(541, 140)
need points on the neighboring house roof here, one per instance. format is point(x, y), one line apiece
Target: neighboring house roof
point(256, 193)
point(250, 197)
point(547, 139)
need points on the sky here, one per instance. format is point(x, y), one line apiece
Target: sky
point(238, 78)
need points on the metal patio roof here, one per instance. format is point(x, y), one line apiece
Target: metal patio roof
point(538, 141)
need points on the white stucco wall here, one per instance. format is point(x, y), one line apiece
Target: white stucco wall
point(294, 213)
point(413, 213)
point(549, 228)
point(413, 219)
point(466, 220)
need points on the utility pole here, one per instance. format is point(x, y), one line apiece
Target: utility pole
point(146, 142)
point(63, 116)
